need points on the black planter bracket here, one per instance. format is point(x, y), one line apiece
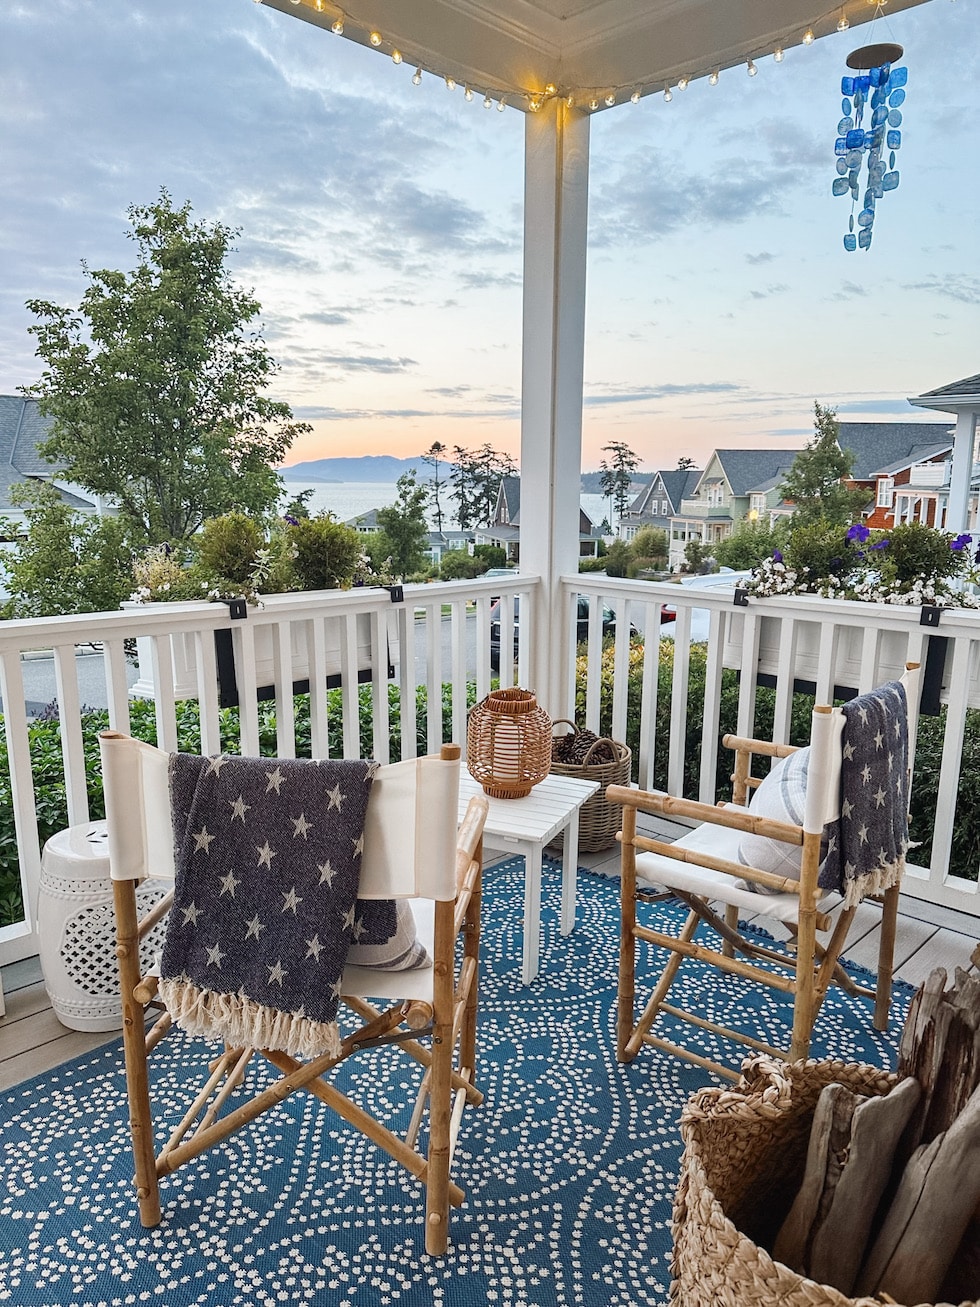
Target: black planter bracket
point(929, 615)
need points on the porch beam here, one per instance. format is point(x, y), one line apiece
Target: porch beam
point(556, 183)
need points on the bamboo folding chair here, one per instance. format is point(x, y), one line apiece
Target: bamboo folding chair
point(412, 850)
point(704, 870)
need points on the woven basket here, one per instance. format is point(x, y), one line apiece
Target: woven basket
point(744, 1156)
point(599, 820)
point(508, 743)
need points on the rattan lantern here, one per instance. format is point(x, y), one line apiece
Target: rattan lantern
point(508, 743)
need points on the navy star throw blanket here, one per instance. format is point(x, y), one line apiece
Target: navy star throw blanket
point(268, 854)
point(866, 848)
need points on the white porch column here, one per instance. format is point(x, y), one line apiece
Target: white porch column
point(556, 181)
point(958, 507)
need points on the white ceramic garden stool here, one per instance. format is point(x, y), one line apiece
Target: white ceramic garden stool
point(77, 930)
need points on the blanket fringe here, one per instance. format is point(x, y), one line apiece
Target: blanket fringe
point(875, 882)
point(243, 1023)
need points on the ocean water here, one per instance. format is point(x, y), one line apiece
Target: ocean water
point(347, 499)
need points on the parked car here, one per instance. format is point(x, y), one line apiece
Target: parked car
point(582, 626)
point(726, 579)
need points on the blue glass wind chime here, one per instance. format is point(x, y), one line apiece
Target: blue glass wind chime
point(882, 89)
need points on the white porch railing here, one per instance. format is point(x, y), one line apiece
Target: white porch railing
point(671, 709)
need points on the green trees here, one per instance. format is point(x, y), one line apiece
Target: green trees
point(403, 528)
point(433, 457)
point(474, 478)
point(749, 544)
point(156, 382)
point(617, 473)
point(815, 481)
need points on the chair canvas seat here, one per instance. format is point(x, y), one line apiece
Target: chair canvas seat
point(718, 886)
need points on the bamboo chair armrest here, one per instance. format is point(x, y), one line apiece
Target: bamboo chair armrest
point(738, 819)
point(742, 743)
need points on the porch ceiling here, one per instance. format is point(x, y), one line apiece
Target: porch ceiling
point(584, 48)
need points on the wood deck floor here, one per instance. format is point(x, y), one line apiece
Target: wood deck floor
point(33, 1040)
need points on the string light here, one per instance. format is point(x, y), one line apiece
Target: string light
point(551, 89)
point(611, 99)
point(396, 56)
point(468, 93)
point(778, 55)
point(713, 79)
point(842, 24)
point(534, 104)
point(417, 77)
point(337, 26)
point(570, 101)
point(683, 83)
point(751, 69)
point(375, 38)
point(635, 97)
point(808, 36)
point(502, 104)
point(487, 100)
point(668, 94)
point(450, 83)
point(319, 6)
point(593, 103)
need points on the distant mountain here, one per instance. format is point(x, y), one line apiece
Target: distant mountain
point(370, 467)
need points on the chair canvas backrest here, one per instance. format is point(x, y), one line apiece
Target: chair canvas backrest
point(409, 833)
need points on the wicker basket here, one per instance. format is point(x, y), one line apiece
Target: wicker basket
point(744, 1155)
point(599, 820)
point(508, 743)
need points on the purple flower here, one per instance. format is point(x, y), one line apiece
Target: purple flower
point(291, 520)
point(881, 544)
point(858, 532)
point(961, 541)
point(777, 556)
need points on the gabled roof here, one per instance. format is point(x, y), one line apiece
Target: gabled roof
point(674, 484)
point(509, 498)
point(22, 428)
point(747, 469)
point(883, 446)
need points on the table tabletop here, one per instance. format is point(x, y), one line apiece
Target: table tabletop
point(540, 815)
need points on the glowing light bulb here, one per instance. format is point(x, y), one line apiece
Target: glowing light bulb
point(396, 56)
point(337, 26)
point(635, 98)
point(593, 103)
point(551, 89)
point(534, 104)
point(778, 55)
point(417, 77)
point(570, 101)
point(683, 83)
point(319, 6)
point(468, 93)
point(295, 2)
point(843, 24)
point(375, 38)
point(450, 83)
point(487, 100)
point(713, 79)
point(668, 95)
point(808, 36)
point(502, 104)
point(751, 69)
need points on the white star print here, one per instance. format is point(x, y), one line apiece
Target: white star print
point(275, 779)
point(848, 751)
point(880, 798)
point(335, 988)
point(276, 974)
point(216, 764)
point(203, 840)
point(863, 834)
point(866, 773)
point(359, 928)
point(327, 873)
point(301, 825)
point(191, 914)
point(846, 807)
point(265, 855)
point(358, 846)
point(215, 955)
point(291, 902)
point(335, 797)
point(239, 808)
point(863, 714)
point(879, 740)
point(228, 885)
point(314, 948)
point(254, 927)
point(348, 921)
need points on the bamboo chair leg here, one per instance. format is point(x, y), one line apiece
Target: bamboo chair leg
point(731, 921)
point(440, 1105)
point(134, 1047)
point(627, 938)
point(656, 1001)
point(886, 958)
point(471, 949)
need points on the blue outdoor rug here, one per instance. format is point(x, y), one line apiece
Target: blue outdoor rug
point(569, 1166)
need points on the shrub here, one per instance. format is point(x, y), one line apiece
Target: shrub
point(326, 552)
point(457, 565)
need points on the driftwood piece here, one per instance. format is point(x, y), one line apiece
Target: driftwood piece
point(838, 1247)
point(936, 1199)
point(830, 1134)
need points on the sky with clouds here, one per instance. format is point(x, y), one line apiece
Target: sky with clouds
point(381, 226)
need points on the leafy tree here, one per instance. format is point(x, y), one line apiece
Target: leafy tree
point(619, 558)
point(404, 528)
point(433, 456)
point(696, 556)
point(458, 565)
point(492, 555)
point(617, 474)
point(298, 505)
point(685, 464)
point(650, 547)
point(815, 482)
point(475, 477)
point(749, 544)
point(69, 562)
point(155, 383)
